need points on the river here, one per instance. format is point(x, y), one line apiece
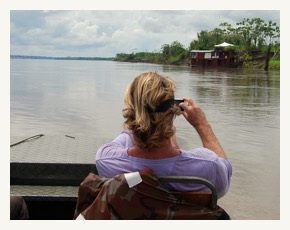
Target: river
point(59, 97)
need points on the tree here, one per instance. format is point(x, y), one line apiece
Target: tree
point(255, 34)
point(165, 50)
point(172, 51)
point(176, 48)
point(205, 41)
point(271, 31)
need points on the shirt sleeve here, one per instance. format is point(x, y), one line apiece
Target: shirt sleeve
point(223, 172)
point(223, 176)
point(125, 139)
point(217, 169)
point(116, 147)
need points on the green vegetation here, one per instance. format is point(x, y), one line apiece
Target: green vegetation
point(255, 40)
point(138, 57)
point(274, 63)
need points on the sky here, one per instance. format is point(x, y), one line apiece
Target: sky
point(104, 33)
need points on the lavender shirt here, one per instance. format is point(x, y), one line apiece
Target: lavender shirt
point(113, 159)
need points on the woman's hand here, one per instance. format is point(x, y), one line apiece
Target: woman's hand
point(196, 117)
point(193, 114)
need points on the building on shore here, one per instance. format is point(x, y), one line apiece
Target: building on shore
point(221, 56)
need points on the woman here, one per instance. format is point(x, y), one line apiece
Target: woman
point(149, 139)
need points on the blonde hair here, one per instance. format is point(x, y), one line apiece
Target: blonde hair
point(143, 96)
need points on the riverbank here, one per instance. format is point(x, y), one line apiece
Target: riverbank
point(274, 64)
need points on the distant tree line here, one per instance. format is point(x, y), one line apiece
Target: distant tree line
point(249, 36)
point(61, 58)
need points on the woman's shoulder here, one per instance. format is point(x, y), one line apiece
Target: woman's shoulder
point(204, 156)
point(111, 150)
point(199, 152)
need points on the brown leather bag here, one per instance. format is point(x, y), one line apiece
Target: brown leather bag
point(101, 198)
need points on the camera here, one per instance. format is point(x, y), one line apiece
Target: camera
point(177, 102)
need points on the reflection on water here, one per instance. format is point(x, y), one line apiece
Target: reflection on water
point(86, 97)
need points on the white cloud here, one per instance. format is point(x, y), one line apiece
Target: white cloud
point(106, 33)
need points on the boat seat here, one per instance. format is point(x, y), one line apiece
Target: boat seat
point(49, 189)
point(203, 198)
point(142, 195)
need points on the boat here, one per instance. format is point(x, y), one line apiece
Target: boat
point(48, 171)
point(221, 56)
